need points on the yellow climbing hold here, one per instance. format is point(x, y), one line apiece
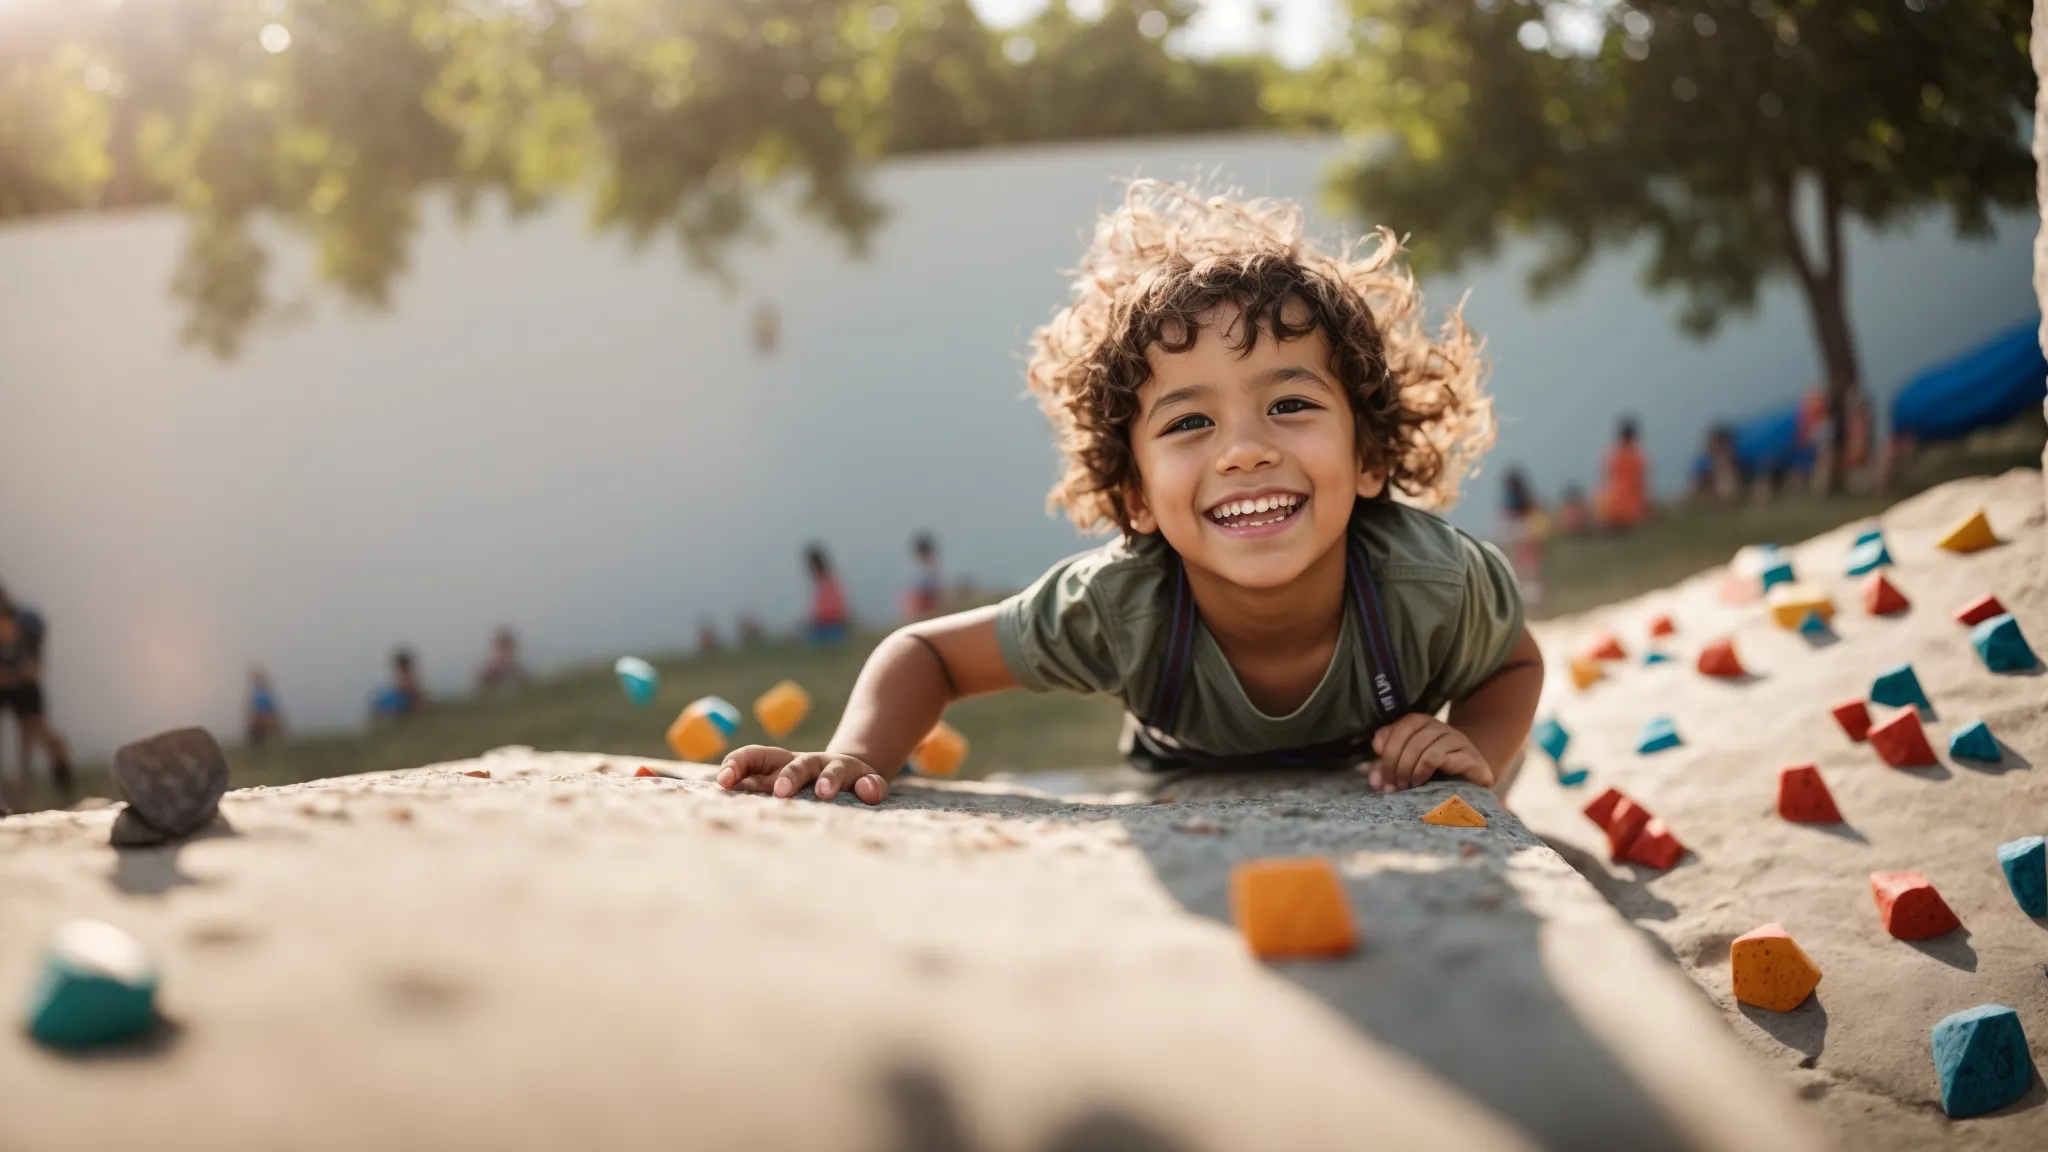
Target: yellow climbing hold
point(1972, 535)
point(1789, 604)
point(1454, 813)
point(1585, 673)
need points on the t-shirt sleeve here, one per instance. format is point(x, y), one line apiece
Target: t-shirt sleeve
point(1489, 621)
point(1056, 633)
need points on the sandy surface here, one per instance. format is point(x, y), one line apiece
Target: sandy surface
point(561, 957)
point(1859, 1048)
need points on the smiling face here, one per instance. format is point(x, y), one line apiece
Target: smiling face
point(1248, 463)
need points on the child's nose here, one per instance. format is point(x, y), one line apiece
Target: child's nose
point(1245, 451)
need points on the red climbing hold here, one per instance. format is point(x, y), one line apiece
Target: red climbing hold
point(1979, 610)
point(1803, 797)
point(1718, 659)
point(1661, 625)
point(1601, 809)
point(1902, 742)
point(1854, 717)
point(1881, 598)
point(1604, 646)
point(1910, 907)
point(1655, 847)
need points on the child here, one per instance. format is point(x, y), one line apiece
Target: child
point(1240, 407)
point(828, 599)
point(402, 697)
point(1525, 527)
point(921, 598)
point(266, 719)
point(501, 669)
point(1574, 518)
point(1624, 499)
point(22, 636)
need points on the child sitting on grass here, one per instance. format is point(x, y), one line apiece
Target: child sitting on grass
point(1239, 406)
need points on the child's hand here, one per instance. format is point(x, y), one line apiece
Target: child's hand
point(759, 768)
point(1417, 747)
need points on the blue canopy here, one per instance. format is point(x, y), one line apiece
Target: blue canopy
point(1985, 386)
point(1765, 443)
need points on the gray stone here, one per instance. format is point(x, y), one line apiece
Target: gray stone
point(173, 783)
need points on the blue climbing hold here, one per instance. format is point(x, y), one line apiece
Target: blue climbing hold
point(722, 713)
point(1553, 739)
point(638, 678)
point(1656, 657)
point(1899, 688)
point(1866, 558)
point(1999, 642)
point(98, 986)
point(1659, 734)
point(2025, 863)
point(1571, 779)
point(1813, 627)
point(1869, 536)
point(1980, 1054)
point(1973, 741)
point(1779, 573)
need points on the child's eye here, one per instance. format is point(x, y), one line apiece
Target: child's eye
point(1189, 423)
point(1291, 404)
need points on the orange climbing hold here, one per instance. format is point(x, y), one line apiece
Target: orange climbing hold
point(1771, 970)
point(1910, 907)
point(1291, 908)
point(1803, 797)
point(1454, 813)
point(1979, 610)
point(1585, 673)
point(1719, 659)
point(1662, 626)
point(1854, 717)
point(1882, 598)
point(1654, 847)
point(940, 752)
point(1603, 646)
point(1901, 742)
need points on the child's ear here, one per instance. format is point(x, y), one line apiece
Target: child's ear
point(1143, 522)
point(1372, 482)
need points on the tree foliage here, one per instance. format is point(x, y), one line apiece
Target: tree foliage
point(1694, 124)
point(333, 118)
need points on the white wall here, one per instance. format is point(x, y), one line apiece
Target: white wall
point(552, 431)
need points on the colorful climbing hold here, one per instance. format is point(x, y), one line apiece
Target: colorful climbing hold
point(1552, 738)
point(1770, 969)
point(97, 986)
point(1901, 742)
point(1585, 673)
point(1600, 809)
point(1776, 574)
point(1899, 688)
point(1572, 778)
point(1854, 717)
point(1803, 797)
point(1662, 625)
point(1868, 556)
point(941, 752)
point(1454, 813)
point(638, 678)
point(781, 708)
point(2025, 864)
point(1657, 735)
point(1655, 847)
point(1974, 741)
point(1718, 659)
point(1882, 598)
point(1974, 534)
point(1790, 604)
point(1981, 1059)
point(1999, 642)
point(1868, 535)
point(1603, 646)
point(1291, 908)
point(1979, 610)
point(699, 732)
point(1628, 822)
point(1655, 657)
point(1910, 907)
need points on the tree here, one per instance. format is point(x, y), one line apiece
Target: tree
point(1698, 124)
point(333, 118)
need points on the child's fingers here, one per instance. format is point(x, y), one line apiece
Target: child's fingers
point(872, 788)
point(1391, 743)
point(799, 772)
point(1416, 764)
point(839, 774)
point(751, 760)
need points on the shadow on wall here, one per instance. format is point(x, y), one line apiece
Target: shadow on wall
point(927, 1119)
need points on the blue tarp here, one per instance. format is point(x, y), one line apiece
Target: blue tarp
point(1765, 443)
point(1987, 385)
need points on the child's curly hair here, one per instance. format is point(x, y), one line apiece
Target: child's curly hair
point(1167, 257)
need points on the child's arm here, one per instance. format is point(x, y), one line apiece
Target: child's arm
point(1487, 727)
point(903, 689)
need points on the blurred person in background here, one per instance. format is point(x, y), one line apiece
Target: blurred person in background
point(22, 634)
point(1722, 480)
point(707, 637)
point(1574, 515)
point(402, 697)
point(921, 598)
point(828, 620)
point(501, 669)
point(1524, 526)
point(1624, 496)
point(266, 718)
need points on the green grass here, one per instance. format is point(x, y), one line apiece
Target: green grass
point(585, 709)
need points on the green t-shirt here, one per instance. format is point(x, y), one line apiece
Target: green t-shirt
point(1099, 622)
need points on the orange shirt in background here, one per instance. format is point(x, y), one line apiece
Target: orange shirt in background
point(1624, 497)
point(828, 601)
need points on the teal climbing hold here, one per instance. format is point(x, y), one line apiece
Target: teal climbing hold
point(1571, 779)
point(1869, 536)
point(1813, 627)
point(1866, 558)
point(97, 987)
point(1999, 642)
point(1973, 741)
point(2025, 864)
point(1553, 739)
point(638, 678)
point(1980, 1055)
point(1779, 573)
point(1656, 657)
point(1899, 688)
point(1659, 734)
point(722, 713)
